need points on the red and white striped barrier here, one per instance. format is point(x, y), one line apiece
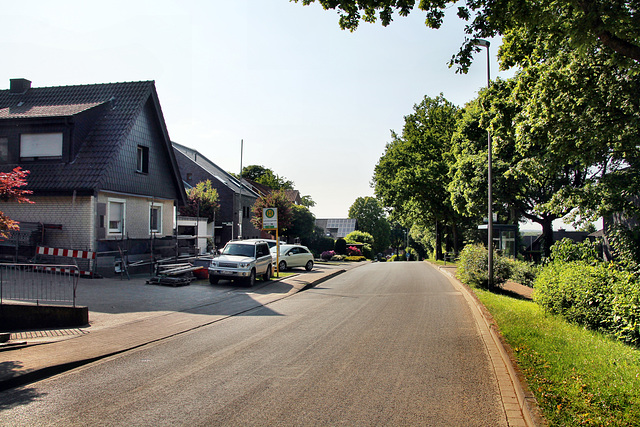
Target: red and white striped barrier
point(68, 253)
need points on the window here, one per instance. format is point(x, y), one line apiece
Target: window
point(155, 218)
point(143, 159)
point(116, 216)
point(4, 149)
point(40, 145)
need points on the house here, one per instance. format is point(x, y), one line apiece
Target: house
point(103, 174)
point(235, 198)
point(337, 227)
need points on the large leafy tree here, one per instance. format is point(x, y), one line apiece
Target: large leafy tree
point(526, 25)
point(266, 176)
point(303, 223)
point(372, 219)
point(11, 184)
point(276, 199)
point(202, 201)
point(410, 177)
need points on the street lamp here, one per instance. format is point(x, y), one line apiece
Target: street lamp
point(486, 43)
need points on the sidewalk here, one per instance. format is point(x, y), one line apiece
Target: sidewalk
point(126, 314)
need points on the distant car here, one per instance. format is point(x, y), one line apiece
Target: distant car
point(293, 256)
point(242, 260)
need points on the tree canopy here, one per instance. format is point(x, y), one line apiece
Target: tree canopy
point(372, 219)
point(526, 25)
point(11, 184)
point(202, 201)
point(266, 176)
point(409, 176)
point(276, 199)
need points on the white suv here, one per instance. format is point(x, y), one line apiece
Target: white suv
point(242, 260)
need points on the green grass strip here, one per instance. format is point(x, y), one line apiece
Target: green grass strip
point(579, 377)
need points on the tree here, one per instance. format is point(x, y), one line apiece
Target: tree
point(372, 219)
point(266, 176)
point(11, 184)
point(410, 177)
point(302, 224)
point(202, 201)
point(526, 25)
point(307, 201)
point(276, 199)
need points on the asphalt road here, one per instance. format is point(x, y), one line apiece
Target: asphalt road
point(383, 344)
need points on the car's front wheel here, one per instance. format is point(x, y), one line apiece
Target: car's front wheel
point(213, 280)
point(309, 265)
point(251, 280)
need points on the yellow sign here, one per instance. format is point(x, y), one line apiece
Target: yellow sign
point(270, 218)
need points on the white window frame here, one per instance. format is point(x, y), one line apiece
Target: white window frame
point(122, 228)
point(158, 206)
point(41, 145)
point(142, 159)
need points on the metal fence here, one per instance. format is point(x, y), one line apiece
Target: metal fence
point(38, 283)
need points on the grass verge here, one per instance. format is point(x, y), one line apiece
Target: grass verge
point(579, 377)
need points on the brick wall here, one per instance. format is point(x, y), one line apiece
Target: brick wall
point(75, 216)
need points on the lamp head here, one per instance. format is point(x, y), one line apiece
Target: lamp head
point(482, 42)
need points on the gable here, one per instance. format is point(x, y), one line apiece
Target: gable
point(99, 124)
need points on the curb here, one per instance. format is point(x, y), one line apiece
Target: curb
point(524, 401)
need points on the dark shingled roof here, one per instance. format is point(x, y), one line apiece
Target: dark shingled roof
point(121, 104)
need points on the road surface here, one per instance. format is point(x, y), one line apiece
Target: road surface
point(383, 344)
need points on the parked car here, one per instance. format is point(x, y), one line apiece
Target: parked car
point(270, 242)
point(293, 256)
point(242, 260)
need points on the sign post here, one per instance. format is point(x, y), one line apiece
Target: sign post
point(270, 223)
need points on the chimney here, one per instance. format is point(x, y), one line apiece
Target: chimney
point(18, 86)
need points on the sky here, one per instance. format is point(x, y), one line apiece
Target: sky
point(310, 101)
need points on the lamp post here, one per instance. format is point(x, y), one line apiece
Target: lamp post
point(486, 43)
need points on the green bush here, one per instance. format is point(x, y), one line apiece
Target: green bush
point(338, 258)
point(340, 246)
point(602, 297)
point(354, 258)
point(522, 272)
point(473, 267)
point(566, 250)
point(395, 258)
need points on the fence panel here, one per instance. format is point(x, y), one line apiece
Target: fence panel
point(38, 283)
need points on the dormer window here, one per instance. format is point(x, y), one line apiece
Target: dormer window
point(143, 159)
point(35, 146)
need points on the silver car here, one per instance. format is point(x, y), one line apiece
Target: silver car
point(242, 260)
point(293, 256)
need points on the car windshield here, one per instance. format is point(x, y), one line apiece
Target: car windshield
point(238, 249)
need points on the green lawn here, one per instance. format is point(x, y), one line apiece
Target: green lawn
point(579, 377)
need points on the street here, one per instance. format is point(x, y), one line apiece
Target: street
point(382, 344)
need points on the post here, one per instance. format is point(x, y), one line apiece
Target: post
point(486, 43)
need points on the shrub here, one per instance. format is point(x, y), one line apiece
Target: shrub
point(353, 251)
point(473, 267)
point(395, 258)
point(355, 258)
point(602, 297)
point(327, 255)
point(522, 272)
point(567, 250)
point(338, 258)
point(340, 246)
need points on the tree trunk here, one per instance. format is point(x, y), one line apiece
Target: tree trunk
point(438, 242)
point(547, 236)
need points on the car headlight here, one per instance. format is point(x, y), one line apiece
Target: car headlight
point(213, 264)
point(244, 264)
